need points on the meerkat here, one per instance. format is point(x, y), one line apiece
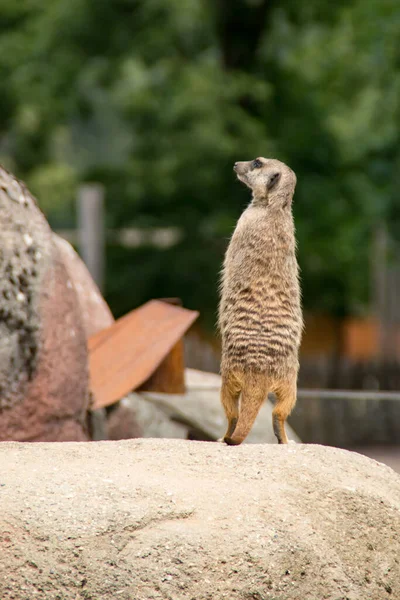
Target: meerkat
point(260, 316)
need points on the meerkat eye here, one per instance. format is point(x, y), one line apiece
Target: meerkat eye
point(256, 164)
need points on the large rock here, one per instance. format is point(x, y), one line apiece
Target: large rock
point(96, 316)
point(43, 356)
point(153, 519)
point(136, 417)
point(95, 312)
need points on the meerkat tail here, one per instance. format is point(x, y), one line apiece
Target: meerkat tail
point(254, 393)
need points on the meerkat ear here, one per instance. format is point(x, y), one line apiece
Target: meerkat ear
point(273, 180)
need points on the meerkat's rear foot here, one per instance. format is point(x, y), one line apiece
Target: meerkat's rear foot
point(285, 401)
point(227, 439)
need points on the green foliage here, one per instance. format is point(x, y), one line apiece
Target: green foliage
point(158, 98)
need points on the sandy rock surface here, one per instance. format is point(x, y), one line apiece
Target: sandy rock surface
point(172, 519)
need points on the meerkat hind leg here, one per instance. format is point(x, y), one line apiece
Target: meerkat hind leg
point(285, 401)
point(230, 392)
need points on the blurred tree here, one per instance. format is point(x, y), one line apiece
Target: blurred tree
point(158, 98)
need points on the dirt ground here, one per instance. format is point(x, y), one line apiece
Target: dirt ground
point(181, 520)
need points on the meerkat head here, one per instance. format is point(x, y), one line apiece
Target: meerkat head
point(271, 181)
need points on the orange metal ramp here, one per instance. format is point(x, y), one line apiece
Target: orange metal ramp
point(123, 356)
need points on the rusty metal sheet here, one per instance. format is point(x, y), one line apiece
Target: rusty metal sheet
point(123, 356)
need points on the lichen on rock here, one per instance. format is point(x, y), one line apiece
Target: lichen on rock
point(25, 250)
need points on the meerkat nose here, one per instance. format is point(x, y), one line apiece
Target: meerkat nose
point(235, 166)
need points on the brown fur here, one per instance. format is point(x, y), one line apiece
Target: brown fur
point(260, 316)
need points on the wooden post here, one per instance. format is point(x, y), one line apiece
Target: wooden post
point(90, 210)
point(169, 377)
point(380, 288)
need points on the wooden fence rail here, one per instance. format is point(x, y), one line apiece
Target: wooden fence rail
point(347, 418)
